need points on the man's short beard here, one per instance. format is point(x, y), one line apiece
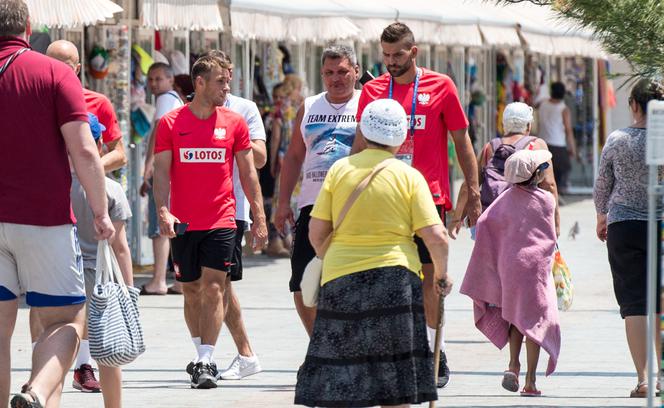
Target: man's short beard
point(403, 69)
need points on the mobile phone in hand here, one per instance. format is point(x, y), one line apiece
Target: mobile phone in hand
point(180, 227)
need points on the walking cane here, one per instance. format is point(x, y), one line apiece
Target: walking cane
point(436, 349)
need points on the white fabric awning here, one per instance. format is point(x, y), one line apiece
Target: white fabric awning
point(195, 15)
point(500, 36)
point(70, 13)
point(539, 43)
point(463, 35)
point(295, 20)
point(469, 23)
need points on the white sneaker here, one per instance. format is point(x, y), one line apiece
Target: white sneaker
point(241, 367)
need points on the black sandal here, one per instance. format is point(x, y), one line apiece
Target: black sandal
point(26, 399)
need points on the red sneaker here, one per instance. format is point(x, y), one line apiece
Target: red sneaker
point(84, 379)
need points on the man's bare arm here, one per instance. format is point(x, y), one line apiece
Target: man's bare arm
point(116, 158)
point(252, 189)
point(260, 153)
point(468, 164)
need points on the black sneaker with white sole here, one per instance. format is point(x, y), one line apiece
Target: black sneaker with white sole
point(191, 365)
point(203, 377)
point(443, 371)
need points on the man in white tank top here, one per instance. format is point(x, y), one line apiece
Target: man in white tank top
point(555, 128)
point(322, 134)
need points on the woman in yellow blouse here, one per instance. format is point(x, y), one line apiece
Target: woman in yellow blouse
point(369, 345)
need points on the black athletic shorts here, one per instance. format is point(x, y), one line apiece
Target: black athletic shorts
point(197, 249)
point(236, 266)
point(422, 250)
point(302, 252)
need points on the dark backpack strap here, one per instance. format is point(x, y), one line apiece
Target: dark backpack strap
point(496, 142)
point(524, 142)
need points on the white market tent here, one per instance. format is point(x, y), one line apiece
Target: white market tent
point(470, 23)
point(194, 15)
point(70, 13)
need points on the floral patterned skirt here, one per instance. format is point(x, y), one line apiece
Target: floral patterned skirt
point(369, 345)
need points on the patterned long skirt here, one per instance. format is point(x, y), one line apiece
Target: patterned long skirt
point(369, 345)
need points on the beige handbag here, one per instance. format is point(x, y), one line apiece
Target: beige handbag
point(311, 278)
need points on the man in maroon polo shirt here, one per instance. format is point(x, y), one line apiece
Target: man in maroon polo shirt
point(42, 117)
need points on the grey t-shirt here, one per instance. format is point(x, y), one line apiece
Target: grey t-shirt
point(118, 210)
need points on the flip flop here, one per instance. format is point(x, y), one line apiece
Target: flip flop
point(26, 399)
point(144, 292)
point(172, 291)
point(530, 392)
point(510, 381)
point(641, 390)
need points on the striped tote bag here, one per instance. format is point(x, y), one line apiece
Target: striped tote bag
point(114, 327)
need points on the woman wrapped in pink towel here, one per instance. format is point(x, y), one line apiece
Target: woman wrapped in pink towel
point(509, 274)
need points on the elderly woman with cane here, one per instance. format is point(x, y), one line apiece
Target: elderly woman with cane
point(369, 344)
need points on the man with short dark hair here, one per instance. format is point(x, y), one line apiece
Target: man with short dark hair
point(246, 362)
point(323, 133)
point(195, 149)
point(160, 82)
point(431, 101)
point(42, 118)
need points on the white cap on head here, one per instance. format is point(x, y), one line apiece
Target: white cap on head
point(521, 165)
point(516, 117)
point(384, 122)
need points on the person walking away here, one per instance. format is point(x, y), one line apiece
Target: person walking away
point(431, 101)
point(517, 124)
point(42, 117)
point(195, 149)
point(621, 202)
point(114, 158)
point(509, 274)
point(323, 133)
point(119, 211)
point(555, 128)
point(371, 281)
point(160, 81)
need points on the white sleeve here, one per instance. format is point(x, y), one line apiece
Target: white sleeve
point(166, 103)
point(255, 122)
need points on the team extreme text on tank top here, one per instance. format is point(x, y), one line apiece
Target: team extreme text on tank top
point(328, 131)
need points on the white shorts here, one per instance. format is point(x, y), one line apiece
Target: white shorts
point(45, 263)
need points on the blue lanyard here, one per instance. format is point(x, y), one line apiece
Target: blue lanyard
point(414, 106)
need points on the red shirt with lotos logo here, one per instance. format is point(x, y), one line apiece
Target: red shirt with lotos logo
point(437, 111)
point(202, 164)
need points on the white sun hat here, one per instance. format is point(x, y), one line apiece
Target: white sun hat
point(384, 122)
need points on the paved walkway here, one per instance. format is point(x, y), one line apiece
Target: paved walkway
point(594, 369)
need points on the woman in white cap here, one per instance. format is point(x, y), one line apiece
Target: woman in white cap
point(517, 122)
point(369, 344)
point(509, 275)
